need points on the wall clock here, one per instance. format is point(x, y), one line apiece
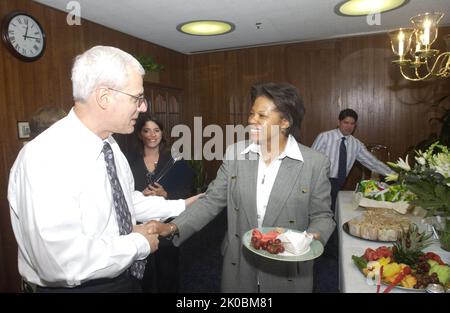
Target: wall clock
point(23, 36)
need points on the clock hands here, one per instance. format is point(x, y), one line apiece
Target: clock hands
point(26, 35)
point(26, 32)
point(31, 37)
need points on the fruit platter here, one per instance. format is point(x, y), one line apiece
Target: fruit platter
point(282, 244)
point(404, 265)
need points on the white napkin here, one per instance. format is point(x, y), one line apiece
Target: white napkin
point(296, 243)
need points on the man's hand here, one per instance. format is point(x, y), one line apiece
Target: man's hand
point(162, 229)
point(146, 231)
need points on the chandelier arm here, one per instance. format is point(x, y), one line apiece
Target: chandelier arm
point(428, 65)
point(440, 68)
point(444, 65)
point(416, 70)
point(418, 77)
point(447, 66)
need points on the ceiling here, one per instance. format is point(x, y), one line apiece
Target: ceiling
point(282, 21)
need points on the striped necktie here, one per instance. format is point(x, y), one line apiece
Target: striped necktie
point(120, 205)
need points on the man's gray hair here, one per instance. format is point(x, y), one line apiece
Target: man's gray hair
point(101, 66)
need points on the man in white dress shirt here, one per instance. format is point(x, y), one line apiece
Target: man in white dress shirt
point(60, 192)
point(329, 143)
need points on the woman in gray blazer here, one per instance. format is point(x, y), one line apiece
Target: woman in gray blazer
point(272, 180)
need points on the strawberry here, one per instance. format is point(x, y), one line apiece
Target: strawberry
point(371, 255)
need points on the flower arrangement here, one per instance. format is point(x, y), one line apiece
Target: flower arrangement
point(428, 179)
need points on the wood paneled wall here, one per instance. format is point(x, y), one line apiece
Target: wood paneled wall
point(331, 75)
point(26, 86)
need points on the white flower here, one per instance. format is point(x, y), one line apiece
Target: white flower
point(404, 164)
point(420, 160)
point(441, 164)
point(391, 177)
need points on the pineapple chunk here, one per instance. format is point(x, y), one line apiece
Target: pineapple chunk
point(409, 281)
point(391, 270)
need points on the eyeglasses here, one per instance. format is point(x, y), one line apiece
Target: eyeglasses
point(137, 100)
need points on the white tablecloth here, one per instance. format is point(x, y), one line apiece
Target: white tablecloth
point(350, 278)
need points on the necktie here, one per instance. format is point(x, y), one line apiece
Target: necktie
point(120, 205)
point(342, 168)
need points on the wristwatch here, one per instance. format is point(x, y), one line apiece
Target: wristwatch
point(173, 231)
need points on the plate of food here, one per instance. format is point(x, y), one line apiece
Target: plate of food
point(372, 193)
point(381, 225)
point(346, 229)
point(282, 244)
point(404, 265)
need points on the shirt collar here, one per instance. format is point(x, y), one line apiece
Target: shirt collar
point(291, 150)
point(339, 134)
point(91, 142)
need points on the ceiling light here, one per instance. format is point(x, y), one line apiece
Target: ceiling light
point(365, 7)
point(206, 28)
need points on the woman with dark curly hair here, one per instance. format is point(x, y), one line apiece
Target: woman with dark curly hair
point(159, 173)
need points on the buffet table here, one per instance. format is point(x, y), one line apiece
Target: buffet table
point(350, 278)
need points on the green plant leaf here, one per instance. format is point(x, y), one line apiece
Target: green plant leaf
point(149, 64)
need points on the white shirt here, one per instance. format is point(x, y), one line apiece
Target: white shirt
point(268, 173)
point(62, 212)
point(328, 143)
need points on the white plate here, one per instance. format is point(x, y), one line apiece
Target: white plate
point(315, 249)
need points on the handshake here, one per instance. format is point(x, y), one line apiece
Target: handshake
point(152, 229)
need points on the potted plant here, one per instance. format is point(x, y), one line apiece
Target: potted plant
point(200, 177)
point(152, 69)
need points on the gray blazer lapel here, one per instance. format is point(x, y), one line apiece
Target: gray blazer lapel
point(282, 187)
point(249, 175)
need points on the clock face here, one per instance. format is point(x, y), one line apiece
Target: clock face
point(23, 36)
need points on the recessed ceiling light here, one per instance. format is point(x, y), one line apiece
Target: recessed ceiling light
point(365, 7)
point(206, 28)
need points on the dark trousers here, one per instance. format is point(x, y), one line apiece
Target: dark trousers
point(124, 283)
point(162, 270)
point(332, 245)
point(335, 187)
point(326, 269)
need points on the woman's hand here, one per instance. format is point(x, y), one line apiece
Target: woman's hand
point(190, 200)
point(155, 190)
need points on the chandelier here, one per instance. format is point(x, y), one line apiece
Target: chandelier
point(417, 60)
